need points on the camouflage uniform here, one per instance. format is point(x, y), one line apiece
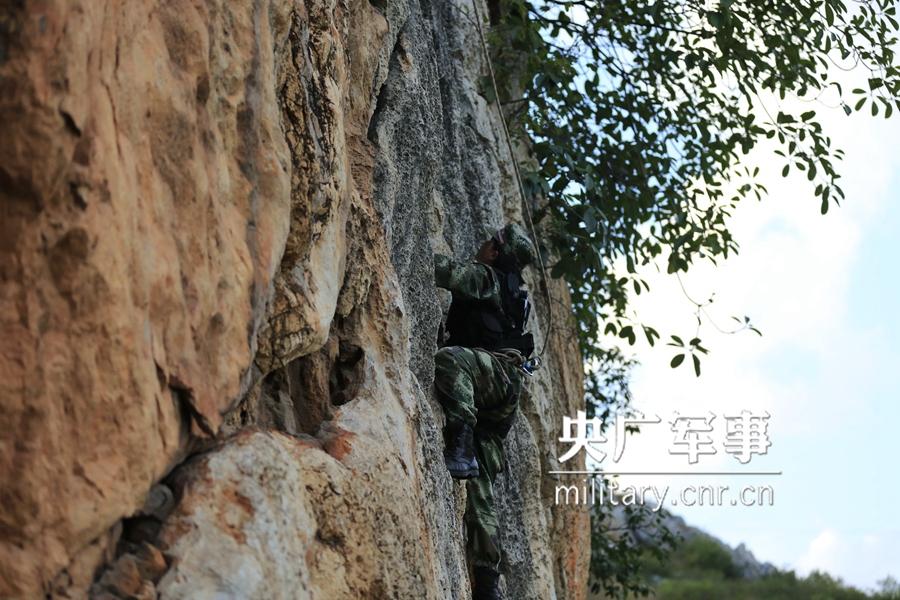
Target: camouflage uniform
point(477, 388)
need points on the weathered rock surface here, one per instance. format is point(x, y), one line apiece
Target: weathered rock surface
point(217, 306)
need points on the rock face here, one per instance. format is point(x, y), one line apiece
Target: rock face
point(218, 310)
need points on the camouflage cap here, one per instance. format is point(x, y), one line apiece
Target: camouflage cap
point(514, 241)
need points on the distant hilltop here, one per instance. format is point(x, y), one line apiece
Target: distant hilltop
point(747, 565)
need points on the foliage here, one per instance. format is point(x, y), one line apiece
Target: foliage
point(888, 589)
point(642, 116)
point(622, 543)
point(607, 385)
point(705, 556)
point(777, 586)
point(703, 569)
point(699, 557)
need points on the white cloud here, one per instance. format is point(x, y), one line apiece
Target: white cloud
point(857, 558)
point(823, 554)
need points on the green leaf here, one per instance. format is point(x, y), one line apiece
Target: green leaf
point(696, 364)
point(651, 334)
point(628, 332)
point(677, 360)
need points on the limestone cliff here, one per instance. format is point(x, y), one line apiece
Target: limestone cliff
point(217, 305)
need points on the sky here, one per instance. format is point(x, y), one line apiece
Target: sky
point(825, 291)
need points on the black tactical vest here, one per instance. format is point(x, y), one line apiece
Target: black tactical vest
point(482, 324)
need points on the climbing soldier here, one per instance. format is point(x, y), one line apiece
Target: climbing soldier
point(479, 375)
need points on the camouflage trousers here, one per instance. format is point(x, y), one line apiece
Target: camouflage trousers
point(476, 388)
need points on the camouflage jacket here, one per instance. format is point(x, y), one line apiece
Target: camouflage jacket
point(469, 281)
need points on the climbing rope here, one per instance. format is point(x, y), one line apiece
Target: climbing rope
point(525, 207)
point(513, 357)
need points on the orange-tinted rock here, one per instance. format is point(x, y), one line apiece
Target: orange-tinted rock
point(195, 198)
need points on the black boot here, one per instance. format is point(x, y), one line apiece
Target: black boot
point(459, 452)
point(486, 584)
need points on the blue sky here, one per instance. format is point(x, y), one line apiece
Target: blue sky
point(826, 293)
